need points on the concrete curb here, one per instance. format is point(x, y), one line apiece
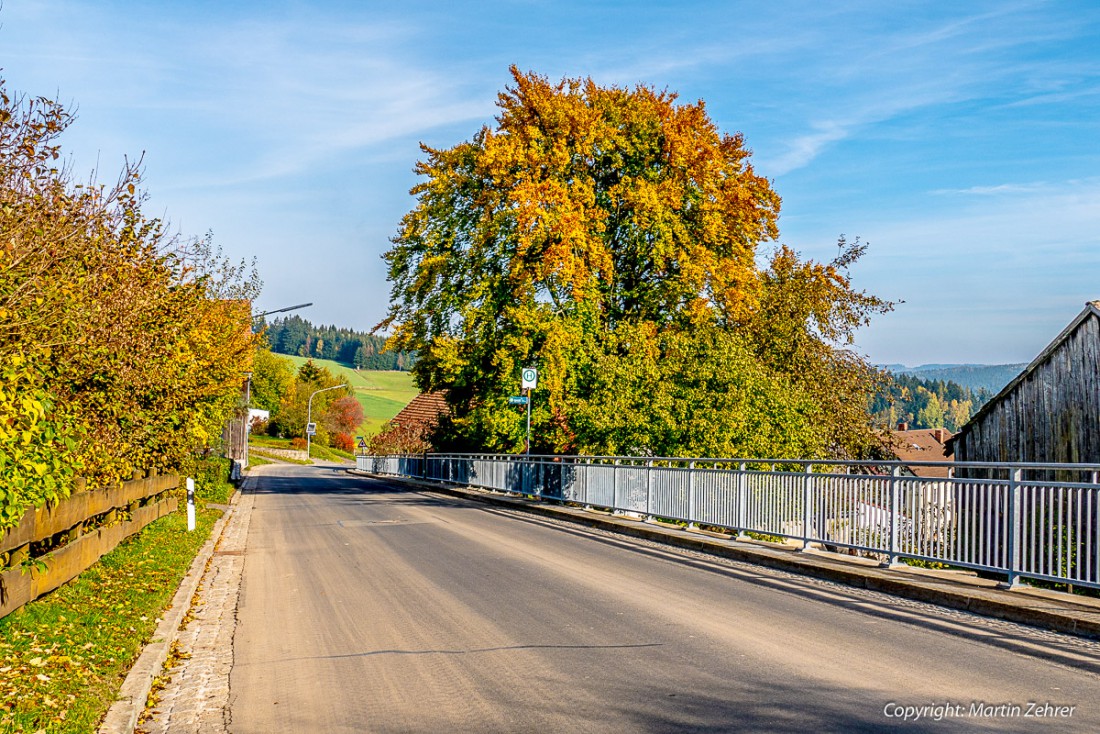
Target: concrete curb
point(123, 715)
point(1050, 610)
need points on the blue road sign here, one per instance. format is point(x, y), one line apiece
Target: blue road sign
point(517, 400)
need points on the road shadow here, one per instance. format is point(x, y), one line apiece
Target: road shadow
point(1019, 639)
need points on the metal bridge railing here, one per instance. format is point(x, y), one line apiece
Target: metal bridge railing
point(1039, 521)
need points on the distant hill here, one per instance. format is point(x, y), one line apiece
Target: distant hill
point(991, 377)
point(297, 337)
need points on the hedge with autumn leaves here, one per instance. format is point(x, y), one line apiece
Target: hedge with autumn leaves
point(122, 347)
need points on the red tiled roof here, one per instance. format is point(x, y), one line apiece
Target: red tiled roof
point(423, 411)
point(922, 444)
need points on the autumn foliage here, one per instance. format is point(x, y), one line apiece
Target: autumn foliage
point(611, 238)
point(122, 348)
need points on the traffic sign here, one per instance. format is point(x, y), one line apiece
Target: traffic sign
point(517, 400)
point(311, 429)
point(529, 378)
point(362, 443)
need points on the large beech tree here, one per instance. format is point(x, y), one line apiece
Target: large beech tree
point(609, 236)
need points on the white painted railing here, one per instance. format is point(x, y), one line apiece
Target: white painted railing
point(1038, 521)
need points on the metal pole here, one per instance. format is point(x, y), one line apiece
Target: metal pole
point(693, 512)
point(649, 489)
point(742, 498)
point(248, 414)
point(1015, 516)
point(807, 500)
point(894, 509)
point(528, 421)
point(281, 310)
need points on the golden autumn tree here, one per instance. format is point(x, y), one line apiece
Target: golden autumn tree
point(123, 348)
point(596, 232)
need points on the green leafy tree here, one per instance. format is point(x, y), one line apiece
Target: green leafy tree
point(609, 236)
point(272, 377)
point(932, 414)
point(702, 393)
point(290, 418)
point(310, 374)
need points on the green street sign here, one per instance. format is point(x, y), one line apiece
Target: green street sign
point(517, 400)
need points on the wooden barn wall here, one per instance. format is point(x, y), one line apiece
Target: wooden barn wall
point(1053, 415)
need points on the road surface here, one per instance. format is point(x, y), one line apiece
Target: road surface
point(367, 606)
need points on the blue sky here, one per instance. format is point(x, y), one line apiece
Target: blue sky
point(961, 140)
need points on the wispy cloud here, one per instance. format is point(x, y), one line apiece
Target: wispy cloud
point(847, 92)
point(996, 190)
point(251, 100)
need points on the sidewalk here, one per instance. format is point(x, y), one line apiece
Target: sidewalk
point(1050, 610)
point(198, 638)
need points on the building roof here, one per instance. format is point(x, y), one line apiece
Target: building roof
point(422, 411)
point(923, 444)
point(1092, 309)
point(409, 430)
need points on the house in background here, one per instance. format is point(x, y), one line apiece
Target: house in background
point(922, 445)
point(408, 431)
point(1051, 411)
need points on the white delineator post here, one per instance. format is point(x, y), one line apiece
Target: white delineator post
point(190, 504)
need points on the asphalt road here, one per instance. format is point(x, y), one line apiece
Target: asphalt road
point(366, 607)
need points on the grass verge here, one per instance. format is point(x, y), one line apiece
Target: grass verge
point(272, 458)
point(63, 658)
point(258, 443)
point(256, 460)
point(331, 454)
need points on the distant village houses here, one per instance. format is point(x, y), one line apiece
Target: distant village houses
point(917, 447)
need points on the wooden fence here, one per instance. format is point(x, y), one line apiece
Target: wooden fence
point(119, 511)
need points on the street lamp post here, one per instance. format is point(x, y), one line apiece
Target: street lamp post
point(281, 310)
point(309, 413)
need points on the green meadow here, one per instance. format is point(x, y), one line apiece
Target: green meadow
point(381, 393)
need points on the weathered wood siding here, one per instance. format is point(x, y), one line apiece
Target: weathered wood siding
point(1052, 415)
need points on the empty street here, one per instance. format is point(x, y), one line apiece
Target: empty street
point(367, 605)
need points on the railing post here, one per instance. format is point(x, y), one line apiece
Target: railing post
point(742, 498)
point(615, 485)
point(806, 504)
point(895, 506)
point(1015, 515)
point(587, 505)
point(693, 509)
point(648, 489)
